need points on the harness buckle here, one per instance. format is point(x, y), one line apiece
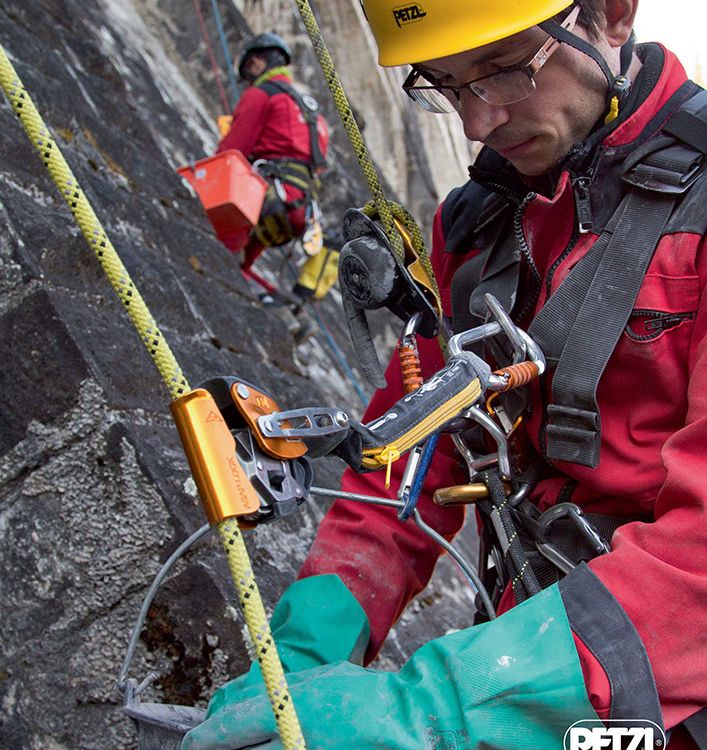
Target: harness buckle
point(571, 433)
point(574, 513)
point(672, 170)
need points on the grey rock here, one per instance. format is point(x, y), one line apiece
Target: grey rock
point(95, 492)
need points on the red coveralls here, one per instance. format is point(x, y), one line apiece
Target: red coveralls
point(653, 404)
point(270, 127)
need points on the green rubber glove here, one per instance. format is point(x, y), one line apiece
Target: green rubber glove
point(316, 621)
point(511, 684)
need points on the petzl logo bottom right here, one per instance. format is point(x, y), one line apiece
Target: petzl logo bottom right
point(614, 734)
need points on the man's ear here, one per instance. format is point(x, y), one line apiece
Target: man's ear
point(619, 15)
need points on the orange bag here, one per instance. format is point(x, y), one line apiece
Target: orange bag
point(231, 192)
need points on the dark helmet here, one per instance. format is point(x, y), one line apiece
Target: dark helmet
point(261, 42)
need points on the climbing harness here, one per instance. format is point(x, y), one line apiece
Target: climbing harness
point(274, 228)
point(228, 526)
point(308, 106)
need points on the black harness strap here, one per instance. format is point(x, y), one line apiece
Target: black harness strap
point(310, 111)
point(582, 322)
point(494, 270)
point(696, 727)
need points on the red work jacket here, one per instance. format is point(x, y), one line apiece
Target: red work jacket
point(271, 127)
point(653, 404)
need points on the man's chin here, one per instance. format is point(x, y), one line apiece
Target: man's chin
point(535, 166)
point(532, 158)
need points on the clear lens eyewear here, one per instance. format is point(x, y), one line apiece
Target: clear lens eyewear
point(505, 87)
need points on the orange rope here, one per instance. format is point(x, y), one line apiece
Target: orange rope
point(518, 374)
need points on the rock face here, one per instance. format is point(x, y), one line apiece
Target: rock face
point(95, 493)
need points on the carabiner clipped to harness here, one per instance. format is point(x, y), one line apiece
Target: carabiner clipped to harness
point(372, 277)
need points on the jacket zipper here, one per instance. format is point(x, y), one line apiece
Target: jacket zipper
point(583, 206)
point(657, 323)
point(527, 254)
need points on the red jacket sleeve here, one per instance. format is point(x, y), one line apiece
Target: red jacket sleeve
point(249, 119)
point(383, 561)
point(658, 571)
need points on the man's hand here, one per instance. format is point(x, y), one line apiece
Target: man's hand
point(514, 683)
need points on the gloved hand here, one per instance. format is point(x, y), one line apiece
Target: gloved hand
point(316, 621)
point(512, 684)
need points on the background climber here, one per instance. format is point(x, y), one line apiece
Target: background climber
point(281, 130)
point(585, 215)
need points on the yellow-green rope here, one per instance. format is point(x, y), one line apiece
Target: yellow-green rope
point(236, 552)
point(384, 207)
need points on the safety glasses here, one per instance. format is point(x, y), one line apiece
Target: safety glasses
point(507, 86)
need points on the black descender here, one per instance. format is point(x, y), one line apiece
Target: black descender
point(371, 277)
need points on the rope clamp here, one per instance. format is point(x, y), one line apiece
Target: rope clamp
point(239, 470)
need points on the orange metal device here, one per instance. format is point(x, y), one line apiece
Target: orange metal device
point(211, 451)
point(410, 367)
point(231, 192)
point(252, 403)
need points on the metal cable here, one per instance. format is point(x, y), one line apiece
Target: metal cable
point(470, 574)
point(150, 595)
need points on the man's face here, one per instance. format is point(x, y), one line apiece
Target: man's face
point(253, 66)
point(535, 133)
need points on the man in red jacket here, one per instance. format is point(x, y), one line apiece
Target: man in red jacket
point(281, 129)
point(585, 214)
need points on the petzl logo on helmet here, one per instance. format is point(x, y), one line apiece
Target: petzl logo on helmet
point(404, 14)
point(614, 734)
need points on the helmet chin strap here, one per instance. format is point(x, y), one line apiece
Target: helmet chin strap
point(620, 85)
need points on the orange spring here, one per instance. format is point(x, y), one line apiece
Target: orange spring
point(520, 374)
point(410, 368)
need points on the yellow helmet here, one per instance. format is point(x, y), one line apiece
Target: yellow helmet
point(410, 32)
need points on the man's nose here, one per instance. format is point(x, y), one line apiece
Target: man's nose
point(480, 118)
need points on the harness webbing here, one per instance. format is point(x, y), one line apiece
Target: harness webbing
point(91, 228)
point(309, 115)
point(382, 204)
point(574, 427)
point(592, 300)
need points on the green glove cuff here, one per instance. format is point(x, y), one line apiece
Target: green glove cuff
point(317, 621)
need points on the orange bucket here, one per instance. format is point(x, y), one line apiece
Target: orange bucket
point(231, 192)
